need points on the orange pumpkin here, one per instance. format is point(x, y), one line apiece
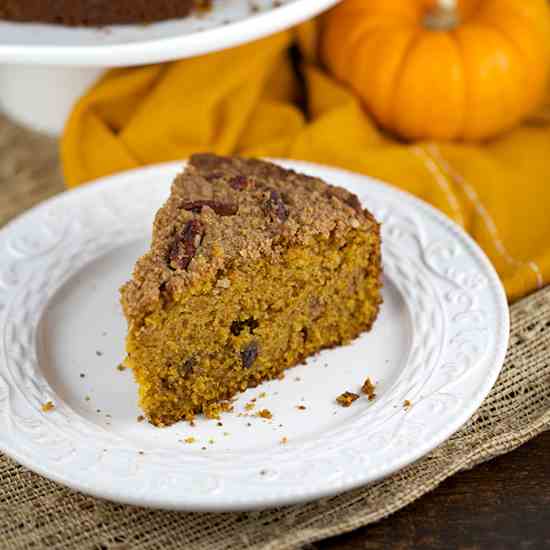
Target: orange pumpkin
point(448, 70)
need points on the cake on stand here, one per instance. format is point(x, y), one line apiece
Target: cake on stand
point(45, 68)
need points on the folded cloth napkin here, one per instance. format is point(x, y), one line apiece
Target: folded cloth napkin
point(250, 101)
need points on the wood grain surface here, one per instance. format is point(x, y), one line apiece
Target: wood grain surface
point(503, 504)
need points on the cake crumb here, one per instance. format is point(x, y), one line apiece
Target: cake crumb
point(284, 440)
point(249, 406)
point(226, 406)
point(48, 406)
point(189, 440)
point(220, 424)
point(346, 398)
point(368, 388)
point(120, 367)
point(203, 448)
point(407, 404)
point(99, 353)
point(82, 375)
point(226, 433)
point(297, 379)
point(86, 398)
point(262, 395)
point(265, 413)
point(141, 452)
point(211, 441)
point(140, 418)
point(301, 407)
point(248, 424)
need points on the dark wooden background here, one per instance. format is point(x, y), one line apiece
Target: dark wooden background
point(503, 504)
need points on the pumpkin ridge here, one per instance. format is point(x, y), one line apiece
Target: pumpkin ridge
point(460, 55)
point(521, 60)
point(415, 37)
point(375, 103)
point(467, 84)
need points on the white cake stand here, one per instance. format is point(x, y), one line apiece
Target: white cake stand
point(45, 68)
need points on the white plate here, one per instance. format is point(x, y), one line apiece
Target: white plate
point(229, 23)
point(439, 342)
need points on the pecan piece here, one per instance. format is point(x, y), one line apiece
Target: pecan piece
point(239, 182)
point(353, 202)
point(213, 176)
point(185, 246)
point(249, 354)
point(276, 206)
point(220, 208)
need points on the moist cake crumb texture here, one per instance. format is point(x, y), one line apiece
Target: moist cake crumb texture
point(252, 269)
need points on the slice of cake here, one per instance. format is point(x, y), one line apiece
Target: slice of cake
point(97, 12)
point(252, 269)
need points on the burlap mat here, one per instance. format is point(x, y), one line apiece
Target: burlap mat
point(37, 513)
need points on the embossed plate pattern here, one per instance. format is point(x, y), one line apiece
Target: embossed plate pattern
point(439, 342)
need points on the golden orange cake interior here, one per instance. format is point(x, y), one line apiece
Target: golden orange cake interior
point(252, 269)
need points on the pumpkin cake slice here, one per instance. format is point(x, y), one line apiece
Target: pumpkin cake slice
point(252, 269)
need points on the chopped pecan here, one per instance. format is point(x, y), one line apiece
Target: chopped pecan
point(239, 182)
point(276, 206)
point(213, 176)
point(353, 202)
point(220, 208)
point(249, 354)
point(185, 245)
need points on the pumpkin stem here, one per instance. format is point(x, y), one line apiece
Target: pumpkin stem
point(443, 17)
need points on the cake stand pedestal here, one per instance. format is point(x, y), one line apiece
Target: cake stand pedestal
point(45, 68)
point(41, 98)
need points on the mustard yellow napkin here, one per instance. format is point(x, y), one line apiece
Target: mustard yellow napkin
point(247, 101)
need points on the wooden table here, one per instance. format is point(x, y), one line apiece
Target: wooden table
point(500, 505)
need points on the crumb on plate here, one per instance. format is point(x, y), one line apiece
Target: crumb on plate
point(48, 406)
point(346, 398)
point(368, 388)
point(265, 413)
